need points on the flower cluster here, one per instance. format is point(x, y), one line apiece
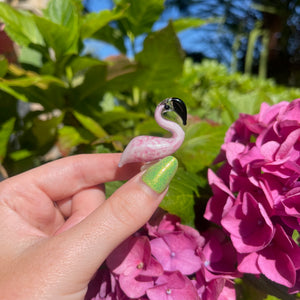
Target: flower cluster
point(168, 261)
point(256, 192)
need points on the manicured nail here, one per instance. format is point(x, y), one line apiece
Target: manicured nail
point(158, 176)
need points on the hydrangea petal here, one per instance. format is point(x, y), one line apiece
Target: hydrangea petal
point(135, 287)
point(247, 263)
point(277, 266)
point(249, 226)
point(129, 255)
point(222, 198)
point(192, 233)
point(269, 149)
point(166, 225)
point(232, 152)
point(288, 144)
point(291, 112)
point(176, 251)
point(219, 255)
point(287, 245)
point(268, 113)
point(291, 202)
point(228, 291)
point(173, 286)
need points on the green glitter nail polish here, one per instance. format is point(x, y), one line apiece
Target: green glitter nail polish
point(158, 176)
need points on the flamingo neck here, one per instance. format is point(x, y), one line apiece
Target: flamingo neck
point(174, 128)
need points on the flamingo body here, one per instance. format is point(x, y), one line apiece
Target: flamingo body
point(149, 148)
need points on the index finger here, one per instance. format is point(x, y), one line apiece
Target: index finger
point(66, 176)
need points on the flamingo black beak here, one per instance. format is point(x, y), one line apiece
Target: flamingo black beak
point(179, 108)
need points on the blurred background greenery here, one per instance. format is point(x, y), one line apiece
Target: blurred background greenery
point(58, 99)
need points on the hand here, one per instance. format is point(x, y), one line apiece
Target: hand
point(56, 228)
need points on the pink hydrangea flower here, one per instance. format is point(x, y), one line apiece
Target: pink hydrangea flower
point(102, 286)
point(162, 261)
point(218, 255)
point(170, 224)
point(214, 288)
point(256, 192)
point(249, 225)
point(167, 224)
point(135, 266)
point(176, 251)
point(173, 286)
point(278, 261)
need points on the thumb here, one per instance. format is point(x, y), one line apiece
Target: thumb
point(83, 248)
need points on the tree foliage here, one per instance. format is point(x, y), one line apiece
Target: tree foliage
point(256, 36)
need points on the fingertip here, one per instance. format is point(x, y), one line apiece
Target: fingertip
point(159, 175)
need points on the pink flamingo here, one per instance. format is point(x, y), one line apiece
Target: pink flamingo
point(149, 148)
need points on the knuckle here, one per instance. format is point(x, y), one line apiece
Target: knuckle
point(124, 210)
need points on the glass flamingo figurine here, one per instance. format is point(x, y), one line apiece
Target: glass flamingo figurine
point(150, 148)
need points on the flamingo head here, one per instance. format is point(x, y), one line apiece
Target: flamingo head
point(176, 105)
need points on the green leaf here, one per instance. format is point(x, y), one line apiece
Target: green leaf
point(121, 73)
point(115, 116)
point(270, 9)
point(62, 13)
point(45, 131)
point(63, 40)
point(180, 197)
point(248, 103)
point(82, 63)
point(111, 187)
point(296, 236)
point(79, 6)
point(93, 22)
point(90, 124)
point(20, 154)
point(6, 130)
point(4, 87)
point(149, 127)
point(201, 145)
point(41, 81)
point(111, 36)
point(30, 57)
point(3, 66)
point(78, 68)
point(68, 138)
point(20, 26)
point(101, 149)
point(141, 15)
point(94, 80)
point(34, 87)
point(161, 60)
point(186, 23)
point(269, 297)
point(60, 27)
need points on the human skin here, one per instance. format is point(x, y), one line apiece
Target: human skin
point(57, 228)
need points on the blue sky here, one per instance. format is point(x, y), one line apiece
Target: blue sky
point(206, 40)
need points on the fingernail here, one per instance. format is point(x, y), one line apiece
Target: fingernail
point(158, 176)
